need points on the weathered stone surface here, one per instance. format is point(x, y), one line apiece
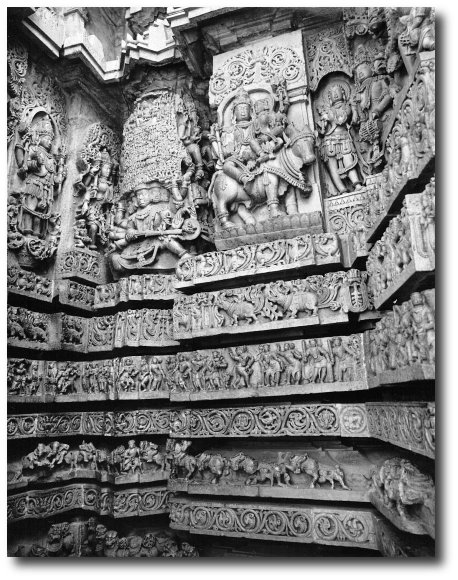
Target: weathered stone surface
point(314, 420)
point(404, 256)
point(294, 522)
point(259, 260)
point(108, 424)
point(102, 500)
point(314, 300)
point(81, 265)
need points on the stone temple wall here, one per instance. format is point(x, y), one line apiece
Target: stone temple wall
point(221, 260)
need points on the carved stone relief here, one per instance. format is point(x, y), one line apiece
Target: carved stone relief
point(313, 300)
point(135, 288)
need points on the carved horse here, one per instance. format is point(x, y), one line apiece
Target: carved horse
point(217, 465)
point(282, 175)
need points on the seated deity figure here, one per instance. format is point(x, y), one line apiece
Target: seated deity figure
point(43, 170)
point(137, 238)
point(337, 148)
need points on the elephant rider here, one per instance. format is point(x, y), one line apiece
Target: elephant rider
point(242, 149)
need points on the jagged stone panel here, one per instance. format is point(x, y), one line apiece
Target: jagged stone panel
point(401, 347)
point(405, 254)
point(408, 425)
point(258, 260)
point(313, 420)
point(273, 521)
point(108, 424)
point(41, 331)
point(130, 502)
point(124, 464)
point(311, 301)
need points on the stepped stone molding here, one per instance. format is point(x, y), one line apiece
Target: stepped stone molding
point(405, 253)
point(259, 259)
point(311, 301)
point(102, 500)
point(314, 420)
point(408, 425)
point(410, 149)
point(292, 522)
point(401, 347)
point(108, 424)
point(135, 288)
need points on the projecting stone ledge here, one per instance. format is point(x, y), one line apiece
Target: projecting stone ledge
point(315, 300)
point(130, 502)
point(259, 260)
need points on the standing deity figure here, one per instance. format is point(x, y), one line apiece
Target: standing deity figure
point(424, 327)
point(374, 94)
point(419, 33)
point(337, 148)
point(190, 135)
point(97, 185)
point(43, 169)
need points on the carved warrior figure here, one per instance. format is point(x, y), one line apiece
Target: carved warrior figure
point(337, 148)
point(42, 167)
point(260, 159)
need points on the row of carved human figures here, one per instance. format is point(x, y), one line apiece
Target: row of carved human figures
point(120, 461)
point(223, 470)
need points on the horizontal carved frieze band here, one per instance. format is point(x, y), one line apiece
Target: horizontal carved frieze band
point(108, 424)
point(401, 347)
point(36, 330)
point(257, 259)
point(406, 249)
point(294, 523)
point(135, 288)
point(313, 300)
point(408, 425)
point(271, 421)
point(102, 500)
point(124, 464)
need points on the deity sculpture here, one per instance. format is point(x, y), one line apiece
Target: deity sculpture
point(261, 157)
point(41, 164)
point(374, 94)
point(419, 32)
point(337, 148)
point(97, 186)
point(137, 238)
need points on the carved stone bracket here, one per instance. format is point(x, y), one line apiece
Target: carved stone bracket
point(393, 543)
point(312, 301)
point(272, 421)
point(256, 260)
point(102, 500)
point(135, 288)
point(108, 424)
point(292, 522)
point(405, 254)
point(401, 347)
point(407, 425)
